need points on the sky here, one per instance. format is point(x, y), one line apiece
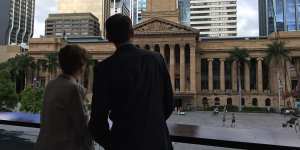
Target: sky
point(247, 16)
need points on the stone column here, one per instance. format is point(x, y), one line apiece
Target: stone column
point(172, 65)
point(222, 74)
point(193, 69)
point(162, 52)
point(182, 69)
point(234, 76)
point(210, 74)
point(259, 75)
point(247, 77)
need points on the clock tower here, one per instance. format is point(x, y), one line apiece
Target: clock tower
point(166, 9)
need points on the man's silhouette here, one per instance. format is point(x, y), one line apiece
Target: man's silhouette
point(133, 89)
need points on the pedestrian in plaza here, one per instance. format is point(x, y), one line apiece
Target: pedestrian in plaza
point(224, 119)
point(233, 123)
point(133, 89)
point(64, 121)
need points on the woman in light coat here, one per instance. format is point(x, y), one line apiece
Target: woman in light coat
point(63, 118)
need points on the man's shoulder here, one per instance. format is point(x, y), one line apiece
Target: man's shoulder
point(103, 63)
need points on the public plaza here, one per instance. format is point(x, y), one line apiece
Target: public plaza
point(14, 138)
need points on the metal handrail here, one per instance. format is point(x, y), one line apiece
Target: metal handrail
point(189, 134)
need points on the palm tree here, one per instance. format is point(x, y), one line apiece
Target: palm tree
point(52, 64)
point(22, 68)
point(240, 56)
point(277, 57)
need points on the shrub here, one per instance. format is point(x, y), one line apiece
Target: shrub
point(31, 99)
point(255, 109)
point(8, 95)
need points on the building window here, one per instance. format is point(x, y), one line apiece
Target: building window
point(204, 74)
point(205, 102)
point(147, 47)
point(254, 102)
point(228, 75)
point(253, 74)
point(243, 102)
point(229, 101)
point(216, 74)
point(268, 102)
point(217, 101)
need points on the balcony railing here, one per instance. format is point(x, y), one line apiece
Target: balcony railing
point(190, 134)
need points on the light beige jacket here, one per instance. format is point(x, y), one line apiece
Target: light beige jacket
point(63, 117)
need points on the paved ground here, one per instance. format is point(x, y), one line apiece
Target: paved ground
point(16, 138)
point(265, 121)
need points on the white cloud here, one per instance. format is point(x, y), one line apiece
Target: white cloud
point(247, 16)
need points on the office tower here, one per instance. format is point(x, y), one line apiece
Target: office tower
point(184, 12)
point(217, 18)
point(120, 7)
point(99, 8)
point(72, 25)
point(126, 7)
point(17, 19)
point(278, 15)
point(142, 7)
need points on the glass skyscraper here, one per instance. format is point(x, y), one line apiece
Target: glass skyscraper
point(17, 20)
point(278, 15)
point(142, 7)
point(184, 11)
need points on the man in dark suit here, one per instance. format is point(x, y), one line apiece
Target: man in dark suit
point(133, 89)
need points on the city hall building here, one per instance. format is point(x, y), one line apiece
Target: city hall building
point(199, 68)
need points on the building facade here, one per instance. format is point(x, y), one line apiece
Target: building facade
point(217, 18)
point(184, 11)
point(200, 72)
point(17, 20)
point(72, 25)
point(278, 15)
point(100, 8)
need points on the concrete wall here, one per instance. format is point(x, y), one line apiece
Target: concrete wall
point(7, 52)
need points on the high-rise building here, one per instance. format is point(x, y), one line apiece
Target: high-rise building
point(217, 18)
point(142, 7)
point(100, 8)
point(72, 25)
point(17, 20)
point(120, 7)
point(184, 12)
point(278, 15)
point(126, 7)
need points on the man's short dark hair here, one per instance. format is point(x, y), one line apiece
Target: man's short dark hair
point(72, 58)
point(119, 28)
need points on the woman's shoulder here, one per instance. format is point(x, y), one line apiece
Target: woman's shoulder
point(62, 84)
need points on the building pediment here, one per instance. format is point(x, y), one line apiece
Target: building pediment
point(162, 26)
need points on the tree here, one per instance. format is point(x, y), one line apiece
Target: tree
point(240, 56)
point(8, 95)
point(31, 99)
point(52, 64)
point(277, 57)
point(21, 67)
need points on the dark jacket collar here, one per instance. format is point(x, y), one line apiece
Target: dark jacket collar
point(125, 47)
